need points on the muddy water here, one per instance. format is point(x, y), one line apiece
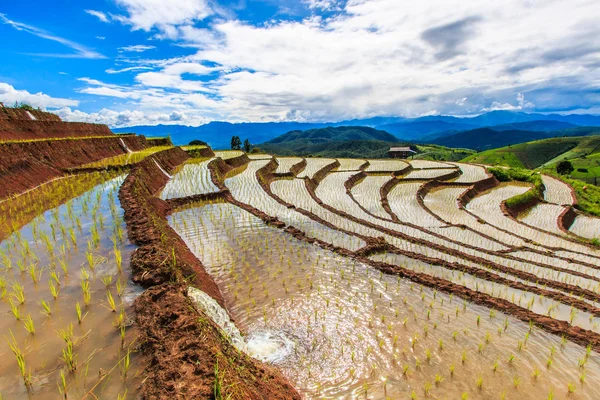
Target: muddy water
point(69, 248)
point(359, 334)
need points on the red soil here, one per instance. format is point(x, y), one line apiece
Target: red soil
point(12, 114)
point(29, 129)
point(25, 165)
point(186, 349)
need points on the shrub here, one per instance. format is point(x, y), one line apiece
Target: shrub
point(564, 167)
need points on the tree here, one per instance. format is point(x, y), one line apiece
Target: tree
point(236, 143)
point(247, 146)
point(197, 142)
point(564, 167)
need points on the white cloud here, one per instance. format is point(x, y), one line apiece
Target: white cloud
point(163, 15)
point(100, 37)
point(80, 50)
point(138, 48)
point(128, 118)
point(98, 14)
point(9, 95)
point(128, 69)
point(521, 105)
point(325, 5)
point(377, 57)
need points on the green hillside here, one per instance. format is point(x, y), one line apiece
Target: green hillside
point(352, 142)
point(546, 152)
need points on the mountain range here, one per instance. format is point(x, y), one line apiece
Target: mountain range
point(429, 129)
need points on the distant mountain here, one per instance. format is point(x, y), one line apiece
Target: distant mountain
point(419, 129)
point(218, 134)
point(490, 138)
point(535, 126)
point(344, 141)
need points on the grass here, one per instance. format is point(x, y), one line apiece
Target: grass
point(533, 154)
point(520, 175)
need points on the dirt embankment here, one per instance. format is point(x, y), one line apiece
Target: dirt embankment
point(34, 129)
point(162, 255)
point(25, 165)
point(13, 114)
point(201, 153)
point(188, 353)
point(164, 141)
point(566, 219)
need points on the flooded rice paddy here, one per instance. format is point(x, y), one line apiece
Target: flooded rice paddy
point(66, 297)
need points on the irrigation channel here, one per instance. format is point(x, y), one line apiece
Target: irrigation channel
point(339, 327)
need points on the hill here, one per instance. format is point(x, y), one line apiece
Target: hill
point(344, 141)
point(352, 142)
point(490, 138)
point(417, 130)
point(543, 153)
point(535, 126)
point(218, 134)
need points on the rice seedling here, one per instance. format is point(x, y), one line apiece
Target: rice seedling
point(111, 301)
point(14, 309)
point(46, 308)
point(54, 290)
point(14, 347)
point(69, 357)
point(63, 388)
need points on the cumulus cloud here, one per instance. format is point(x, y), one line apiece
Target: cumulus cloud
point(325, 5)
point(126, 118)
point(521, 105)
point(163, 15)
point(375, 57)
point(9, 95)
point(449, 39)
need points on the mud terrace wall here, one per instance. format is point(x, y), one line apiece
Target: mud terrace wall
point(11, 114)
point(35, 129)
point(183, 345)
point(25, 165)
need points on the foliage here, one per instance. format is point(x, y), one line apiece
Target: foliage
point(236, 143)
point(564, 168)
point(521, 175)
point(434, 152)
point(24, 106)
point(197, 142)
point(247, 146)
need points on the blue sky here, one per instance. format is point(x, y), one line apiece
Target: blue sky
point(132, 62)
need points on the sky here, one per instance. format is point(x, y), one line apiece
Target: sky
point(148, 62)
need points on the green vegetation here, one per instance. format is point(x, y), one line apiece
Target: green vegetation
point(352, 142)
point(564, 167)
point(440, 153)
point(583, 153)
point(489, 138)
point(520, 175)
point(24, 106)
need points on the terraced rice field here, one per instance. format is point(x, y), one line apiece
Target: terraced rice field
point(344, 328)
point(353, 282)
point(66, 295)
